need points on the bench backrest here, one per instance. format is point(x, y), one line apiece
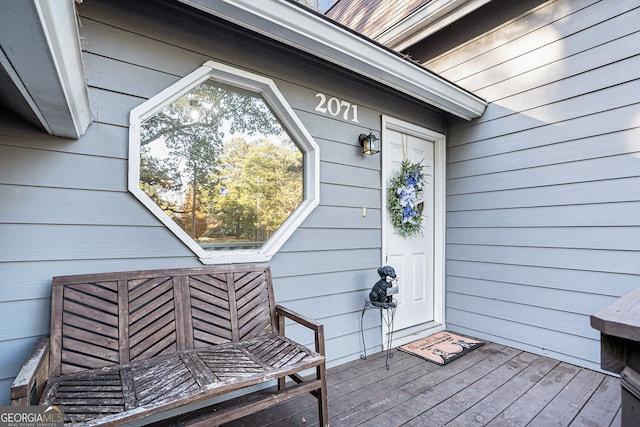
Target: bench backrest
point(106, 319)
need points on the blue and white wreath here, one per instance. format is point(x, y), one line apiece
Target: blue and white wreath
point(404, 199)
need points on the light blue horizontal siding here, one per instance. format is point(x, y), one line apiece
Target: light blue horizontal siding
point(82, 242)
point(610, 238)
point(600, 215)
point(603, 123)
point(349, 195)
point(59, 169)
point(99, 140)
point(106, 74)
point(309, 286)
point(589, 104)
point(577, 193)
point(26, 279)
point(526, 337)
point(559, 39)
point(103, 207)
point(552, 299)
point(18, 351)
point(301, 263)
point(5, 390)
point(596, 147)
point(607, 284)
point(562, 322)
point(582, 80)
point(349, 175)
point(11, 315)
point(538, 16)
point(606, 168)
point(625, 262)
point(542, 191)
point(327, 239)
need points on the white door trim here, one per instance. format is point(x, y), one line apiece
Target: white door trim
point(439, 179)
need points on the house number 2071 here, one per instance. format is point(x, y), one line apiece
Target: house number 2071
point(335, 107)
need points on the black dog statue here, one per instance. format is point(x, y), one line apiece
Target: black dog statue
point(378, 294)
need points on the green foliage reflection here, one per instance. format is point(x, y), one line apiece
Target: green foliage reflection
point(219, 163)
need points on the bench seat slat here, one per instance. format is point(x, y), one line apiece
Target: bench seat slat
point(200, 371)
point(83, 411)
point(192, 374)
point(89, 394)
point(96, 399)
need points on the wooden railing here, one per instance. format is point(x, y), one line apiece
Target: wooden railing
point(619, 326)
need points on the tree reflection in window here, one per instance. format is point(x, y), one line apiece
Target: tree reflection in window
point(220, 164)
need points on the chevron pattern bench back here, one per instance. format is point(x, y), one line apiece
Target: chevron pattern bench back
point(102, 320)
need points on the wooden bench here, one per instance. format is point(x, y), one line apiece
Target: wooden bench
point(128, 345)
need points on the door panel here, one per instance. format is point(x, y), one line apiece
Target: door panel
point(412, 257)
point(417, 260)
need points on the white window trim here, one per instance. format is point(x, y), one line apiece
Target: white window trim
point(267, 88)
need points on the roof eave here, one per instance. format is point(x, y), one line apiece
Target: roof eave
point(430, 18)
point(41, 53)
point(304, 30)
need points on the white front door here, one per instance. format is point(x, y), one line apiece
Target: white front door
point(417, 260)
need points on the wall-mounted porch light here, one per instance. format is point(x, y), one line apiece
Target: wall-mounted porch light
point(369, 143)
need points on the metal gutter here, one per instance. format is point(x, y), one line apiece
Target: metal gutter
point(305, 30)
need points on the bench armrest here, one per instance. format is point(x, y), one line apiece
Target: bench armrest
point(318, 329)
point(32, 378)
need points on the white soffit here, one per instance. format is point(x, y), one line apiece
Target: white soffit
point(40, 51)
point(304, 30)
point(430, 18)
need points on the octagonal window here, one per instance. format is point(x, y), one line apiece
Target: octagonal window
point(224, 162)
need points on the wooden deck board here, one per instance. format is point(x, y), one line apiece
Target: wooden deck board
point(528, 405)
point(450, 408)
point(597, 411)
point(491, 386)
point(427, 393)
point(495, 402)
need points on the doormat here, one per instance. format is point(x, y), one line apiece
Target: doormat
point(441, 348)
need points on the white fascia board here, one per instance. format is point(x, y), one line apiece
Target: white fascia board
point(60, 26)
point(299, 28)
point(42, 55)
point(432, 17)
